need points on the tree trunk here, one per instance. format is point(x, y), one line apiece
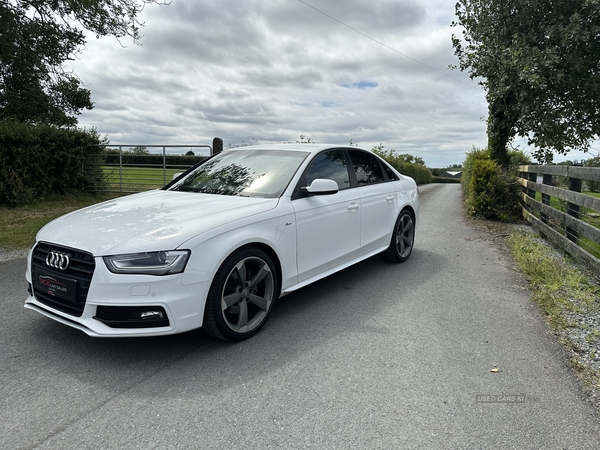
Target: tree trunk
point(500, 128)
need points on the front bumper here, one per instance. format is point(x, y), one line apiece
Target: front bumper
point(124, 298)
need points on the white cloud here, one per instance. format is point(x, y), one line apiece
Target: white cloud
point(270, 70)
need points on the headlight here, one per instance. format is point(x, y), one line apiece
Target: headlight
point(155, 263)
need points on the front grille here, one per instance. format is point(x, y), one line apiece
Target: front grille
point(130, 316)
point(78, 273)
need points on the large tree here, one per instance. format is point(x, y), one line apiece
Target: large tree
point(37, 37)
point(539, 62)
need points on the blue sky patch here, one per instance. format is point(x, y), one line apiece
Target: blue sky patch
point(361, 85)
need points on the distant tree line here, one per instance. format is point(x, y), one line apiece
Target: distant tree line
point(143, 157)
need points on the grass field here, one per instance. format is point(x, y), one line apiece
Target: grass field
point(586, 215)
point(135, 179)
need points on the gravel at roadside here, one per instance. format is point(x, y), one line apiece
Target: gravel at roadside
point(8, 253)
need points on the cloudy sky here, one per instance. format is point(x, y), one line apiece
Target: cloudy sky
point(267, 71)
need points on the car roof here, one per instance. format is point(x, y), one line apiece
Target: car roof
point(310, 148)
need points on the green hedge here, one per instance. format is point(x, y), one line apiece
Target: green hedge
point(445, 180)
point(593, 186)
point(419, 173)
point(36, 160)
point(491, 191)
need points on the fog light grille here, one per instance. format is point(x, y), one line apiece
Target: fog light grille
point(132, 316)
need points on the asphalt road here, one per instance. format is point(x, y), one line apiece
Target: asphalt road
point(380, 356)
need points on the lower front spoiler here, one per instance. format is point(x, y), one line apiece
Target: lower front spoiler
point(95, 328)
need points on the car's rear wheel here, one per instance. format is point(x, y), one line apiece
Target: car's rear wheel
point(241, 296)
point(403, 238)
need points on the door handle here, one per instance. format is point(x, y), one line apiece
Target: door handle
point(353, 207)
point(390, 198)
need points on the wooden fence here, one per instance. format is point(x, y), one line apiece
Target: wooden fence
point(554, 205)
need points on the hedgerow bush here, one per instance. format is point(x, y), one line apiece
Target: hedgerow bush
point(472, 156)
point(593, 186)
point(445, 180)
point(418, 172)
point(36, 160)
point(421, 174)
point(492, 192)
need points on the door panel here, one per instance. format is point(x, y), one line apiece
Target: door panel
point(378, 199)
point(378, 216)
point(328, 230)
point(328, 226)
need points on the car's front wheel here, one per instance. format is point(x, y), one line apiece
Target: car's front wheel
point(403, 238)
point(241, 296)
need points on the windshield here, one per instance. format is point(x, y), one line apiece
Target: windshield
point(249, 173)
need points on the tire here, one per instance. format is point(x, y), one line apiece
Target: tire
point(403, 238)
point(241, 295)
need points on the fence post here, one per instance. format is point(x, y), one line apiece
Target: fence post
point(547, 179)
point(573, 209)
point(531, 176)
point(164, 167)
point(120, 169)
point(217, 145)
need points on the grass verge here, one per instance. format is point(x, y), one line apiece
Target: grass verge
point(18, 226)
point(133, 179)
point(588, 216)
point(569, 296)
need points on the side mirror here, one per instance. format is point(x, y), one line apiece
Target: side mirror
point(321, 186)
point(176, 175)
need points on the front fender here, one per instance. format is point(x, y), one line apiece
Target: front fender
point(277, 230)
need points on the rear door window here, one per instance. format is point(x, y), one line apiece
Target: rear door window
point(367, 168)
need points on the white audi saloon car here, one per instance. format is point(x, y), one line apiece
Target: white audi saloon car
point(217, 247)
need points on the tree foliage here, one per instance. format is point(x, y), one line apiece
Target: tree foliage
point(403, 157)
point(305, 140)
point(37, 37)
point(538, 61)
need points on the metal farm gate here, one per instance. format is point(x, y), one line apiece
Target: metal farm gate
point(135, 168)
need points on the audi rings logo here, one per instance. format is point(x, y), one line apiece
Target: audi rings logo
point(57, 260)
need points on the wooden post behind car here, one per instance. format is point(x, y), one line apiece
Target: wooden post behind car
point(217, 145)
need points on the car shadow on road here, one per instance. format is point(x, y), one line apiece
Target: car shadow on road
point(345, 302)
